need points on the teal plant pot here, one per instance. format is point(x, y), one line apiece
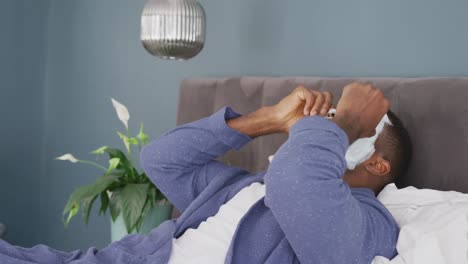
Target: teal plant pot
point(155, 217)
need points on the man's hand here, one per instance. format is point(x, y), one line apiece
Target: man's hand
point(300, 103)
point(282, 116)
point(360, 109)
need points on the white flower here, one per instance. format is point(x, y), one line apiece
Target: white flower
point(68, 157)
point(122, 112)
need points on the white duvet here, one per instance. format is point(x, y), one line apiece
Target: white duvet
point(434, 225)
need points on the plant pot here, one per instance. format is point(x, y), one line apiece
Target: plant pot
point(157, 215)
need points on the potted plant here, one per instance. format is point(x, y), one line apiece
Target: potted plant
point(134, 202)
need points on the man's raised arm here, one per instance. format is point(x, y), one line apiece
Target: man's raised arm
point(182, 162)
point(322, 220)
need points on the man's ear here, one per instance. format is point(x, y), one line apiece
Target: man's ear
point(378, 166)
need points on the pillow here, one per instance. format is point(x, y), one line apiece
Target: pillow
point(434, 225)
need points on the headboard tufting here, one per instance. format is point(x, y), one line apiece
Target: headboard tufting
point(434, 110)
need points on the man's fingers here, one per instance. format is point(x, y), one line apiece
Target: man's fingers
point(318, 104)
point(309, 98)
point(327, 103)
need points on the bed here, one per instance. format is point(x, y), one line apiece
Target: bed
point(432, 219)
point(434, 110)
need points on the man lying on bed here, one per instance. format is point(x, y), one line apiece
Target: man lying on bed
point(301, 209)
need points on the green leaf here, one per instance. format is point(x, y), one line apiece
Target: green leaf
point(142, 136)
point(102, 183)
point(113, 163)
point(125, 140)
point(74, 200)
point(133, 197)
point(115, 153)
point(146, 208)
point(124, 162)
point(73, 211)
point(139, 223)
point(100, 150)
point(87, 205)
point(148, 205)
point(104, 203)
point(115, 204)
point(128, 140)
point(86, 194)
point(133, 141)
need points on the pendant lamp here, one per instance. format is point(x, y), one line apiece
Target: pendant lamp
point(173, 29)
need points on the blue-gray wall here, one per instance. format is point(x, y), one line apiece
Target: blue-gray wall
point(93, 53)
point(22, 60)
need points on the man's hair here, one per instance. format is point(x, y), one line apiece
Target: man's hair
point(397, 147)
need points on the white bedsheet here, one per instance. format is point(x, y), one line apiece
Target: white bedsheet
point(434, 225)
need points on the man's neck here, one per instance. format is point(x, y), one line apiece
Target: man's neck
point(357, 179)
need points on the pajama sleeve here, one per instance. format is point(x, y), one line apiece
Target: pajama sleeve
point(181, 163)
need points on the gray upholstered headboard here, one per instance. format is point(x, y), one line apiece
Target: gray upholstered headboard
point(434, 110)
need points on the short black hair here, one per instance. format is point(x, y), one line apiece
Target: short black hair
point(397, 148)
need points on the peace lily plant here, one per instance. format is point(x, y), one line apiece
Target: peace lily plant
point(121, 188)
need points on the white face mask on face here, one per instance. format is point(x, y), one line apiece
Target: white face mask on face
point(363, 148)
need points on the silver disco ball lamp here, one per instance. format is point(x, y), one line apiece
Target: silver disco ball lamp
point(173, 29)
